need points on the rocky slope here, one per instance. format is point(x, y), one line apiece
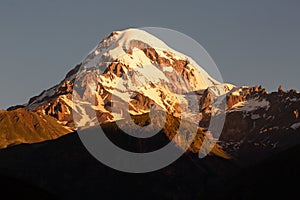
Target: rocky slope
point(261, 123)
point(258, 123)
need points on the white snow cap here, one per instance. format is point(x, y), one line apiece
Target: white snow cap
point(119, 43)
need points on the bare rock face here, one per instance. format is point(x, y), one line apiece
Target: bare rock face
point(58, 105)
point(140, 102)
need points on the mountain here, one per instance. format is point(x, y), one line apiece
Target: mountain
point(134, 70)
point(131, 71)
point(127, 66)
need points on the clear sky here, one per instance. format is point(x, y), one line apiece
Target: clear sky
point(252, 42)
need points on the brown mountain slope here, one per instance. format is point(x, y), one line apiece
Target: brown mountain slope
point(169, 132)
point(23, 126)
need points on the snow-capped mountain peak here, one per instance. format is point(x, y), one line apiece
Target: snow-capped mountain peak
point(128, 66)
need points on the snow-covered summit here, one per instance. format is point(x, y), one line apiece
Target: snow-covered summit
point(131, 66)
point(146, 53)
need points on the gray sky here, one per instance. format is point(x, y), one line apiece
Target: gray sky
point(252, 42)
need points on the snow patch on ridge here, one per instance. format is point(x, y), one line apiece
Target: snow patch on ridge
point(252, 104)
point(295, 126)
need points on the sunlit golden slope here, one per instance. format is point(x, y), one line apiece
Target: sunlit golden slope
point(23, 126)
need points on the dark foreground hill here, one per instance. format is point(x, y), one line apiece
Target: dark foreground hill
point(63, 169)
